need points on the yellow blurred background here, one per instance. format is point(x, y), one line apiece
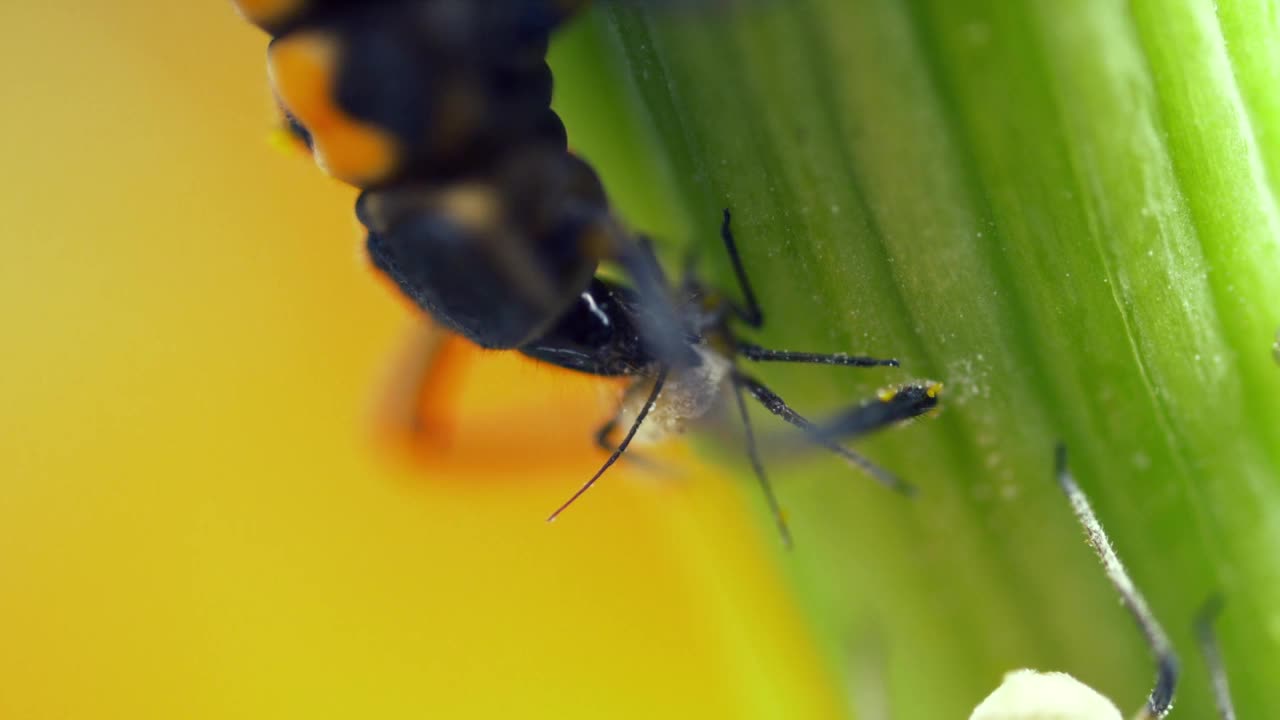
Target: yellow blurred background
point(195, 516)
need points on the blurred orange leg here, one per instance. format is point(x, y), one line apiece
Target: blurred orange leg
point(417, 407)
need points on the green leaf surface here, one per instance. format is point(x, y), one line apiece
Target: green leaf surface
point(1067, 212)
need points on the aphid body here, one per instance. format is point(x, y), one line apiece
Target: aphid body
point(601, 337)
point(688, 396)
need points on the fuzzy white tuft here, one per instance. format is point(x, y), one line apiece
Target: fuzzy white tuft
point(686, 397)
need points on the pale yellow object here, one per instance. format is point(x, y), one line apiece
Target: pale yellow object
point(1032, 695)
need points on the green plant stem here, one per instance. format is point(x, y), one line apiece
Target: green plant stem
point(1066, 211)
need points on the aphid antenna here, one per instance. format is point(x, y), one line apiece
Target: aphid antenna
point(1209, 649)
point(1161, 699)
point(622, 446)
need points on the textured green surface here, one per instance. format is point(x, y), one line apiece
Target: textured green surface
point(1067, 211)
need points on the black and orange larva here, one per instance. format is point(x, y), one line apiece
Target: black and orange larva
point(440, 110)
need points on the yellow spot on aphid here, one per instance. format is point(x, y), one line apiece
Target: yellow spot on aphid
point(934, 389)
point(302, 67)
point(887, 394)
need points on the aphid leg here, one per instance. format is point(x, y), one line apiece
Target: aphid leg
point(622, 446)
point(776, 405)
point(1213, 657)
point(756, 353)
point(660, 325)
point(1161, 699)
point(657, 276)
point(889, 407)
point(605, 442)
point(753, 453)
point(751, 314)
point(689, 281)
point(602, 435)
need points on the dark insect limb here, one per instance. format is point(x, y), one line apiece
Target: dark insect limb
point(602, 435)
point(753, 453)
point(776, 405)
point(622, 446)
point(1161, 699)
point(888, 408)
point(603, 441)
point(1213, 656)
point(751, 314)
point(689, 281)
point(756, 353)
point(660, 325)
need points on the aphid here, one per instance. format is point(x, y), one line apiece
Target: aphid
point(440, 110)
point(599, 336)
point(1032, 695)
